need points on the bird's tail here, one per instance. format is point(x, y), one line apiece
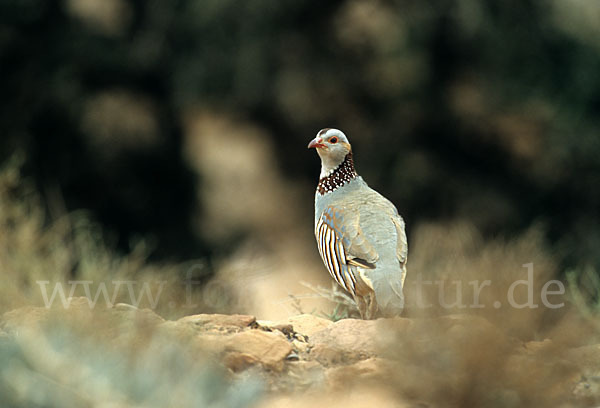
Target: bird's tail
point(388, 292)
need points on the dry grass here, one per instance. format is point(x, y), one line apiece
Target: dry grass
point(34, 249)
point(455, 256)
point(343, 305)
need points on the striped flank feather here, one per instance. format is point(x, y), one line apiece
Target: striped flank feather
point(334, 255)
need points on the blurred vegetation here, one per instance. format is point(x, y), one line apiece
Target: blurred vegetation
point(109, 358)
point(73, 248)
point(478, 110)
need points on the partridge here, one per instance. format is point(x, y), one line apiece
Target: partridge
point(360, 235)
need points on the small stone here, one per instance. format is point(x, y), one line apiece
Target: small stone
point(219, 322)
point(301, 346)
point(237, 361)
point(269, 348)
point(535, 347)
point(124, 307)
point(307, 324)
point(293, 356)
point(286, 329)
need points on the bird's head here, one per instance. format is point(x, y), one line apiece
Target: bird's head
point(332, 146)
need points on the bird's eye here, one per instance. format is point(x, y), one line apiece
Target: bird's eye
point(333, 140)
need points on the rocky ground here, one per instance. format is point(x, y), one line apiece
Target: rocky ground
point(306, 361)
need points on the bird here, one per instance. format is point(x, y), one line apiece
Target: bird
point(360, 235)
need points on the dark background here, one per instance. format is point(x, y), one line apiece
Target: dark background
point(482, 110)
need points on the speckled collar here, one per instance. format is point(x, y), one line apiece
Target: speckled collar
point(341, 175)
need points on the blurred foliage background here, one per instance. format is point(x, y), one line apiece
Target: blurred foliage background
point(183, 124)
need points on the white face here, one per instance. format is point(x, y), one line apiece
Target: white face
point(327, 134)
point(332, 146)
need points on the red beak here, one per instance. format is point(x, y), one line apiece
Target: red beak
point(317, 142)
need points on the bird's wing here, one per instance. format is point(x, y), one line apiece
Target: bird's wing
point(389, 281)
point(341, 244)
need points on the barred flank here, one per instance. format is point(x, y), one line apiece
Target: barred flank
point(334, 256)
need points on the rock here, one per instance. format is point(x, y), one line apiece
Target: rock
point(536, 347)
point(347, 340)
point(269, 348)
point(349, 334)
point(178, 330)
point(27, 316)
point(307, 324)
point(586, 357)
point(549, 378)
point(587, 391)
point(33, 317)
point(305, 374)
point(293, 356)
point(211, 343)
point(124, 307)
point(285, 328)
point(586, 388)
point(329, 355)
point(219, 322)
point(138, 317)
point(237, 361)
point(300, 346)
point(372, 370)
point(355, 398)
